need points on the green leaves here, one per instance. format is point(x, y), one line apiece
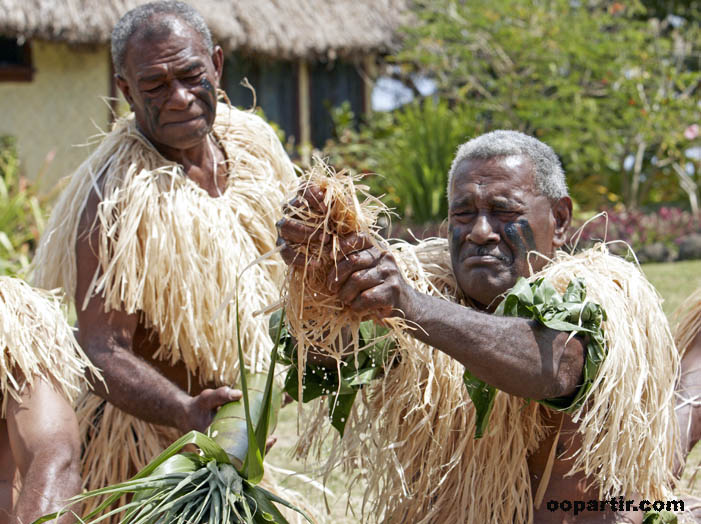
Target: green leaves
point(253, 465)
point(355, 372)
point(21, 214)
point(596, 83)
point(204, 487)
point(571, 312)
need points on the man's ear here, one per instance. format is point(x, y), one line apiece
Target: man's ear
point(124, 88)
point(562, 212)
point(218, 61)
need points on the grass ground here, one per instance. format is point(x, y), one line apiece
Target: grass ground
point(674, 281)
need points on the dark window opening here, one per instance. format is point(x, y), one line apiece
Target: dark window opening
point(331, 84)
point(275, 84)
point(15, 60)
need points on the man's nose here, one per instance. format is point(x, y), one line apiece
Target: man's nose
point(180, 96)
point(482, 231)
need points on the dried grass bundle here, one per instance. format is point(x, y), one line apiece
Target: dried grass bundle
point(688, 322)
point(412, 441)
point(316, 316)
point(37, 343)
point(170, 251)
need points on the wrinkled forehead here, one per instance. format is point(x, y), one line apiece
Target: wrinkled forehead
point(172, 41)
point(501, 175)
point(161, 28)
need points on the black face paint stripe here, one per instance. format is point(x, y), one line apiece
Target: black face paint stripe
point(527, 233)
point(206, 84)
point(511, 229)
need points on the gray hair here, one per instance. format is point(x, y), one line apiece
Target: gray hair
point(138, 18)
point(549, 175)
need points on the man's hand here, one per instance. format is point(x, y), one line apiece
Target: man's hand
point(200, 410)
point(292, 232)
point(369, 281)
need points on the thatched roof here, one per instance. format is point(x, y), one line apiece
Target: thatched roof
point(279, 28)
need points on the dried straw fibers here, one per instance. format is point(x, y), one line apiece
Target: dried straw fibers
point(315, 315)
point(171, 253)
point(37, 343)
point(688, 322)
point(410, 435)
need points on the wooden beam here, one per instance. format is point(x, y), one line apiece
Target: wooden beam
point(305, 117)
point(369, 74)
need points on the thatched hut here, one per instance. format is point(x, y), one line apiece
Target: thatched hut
point(302, 57)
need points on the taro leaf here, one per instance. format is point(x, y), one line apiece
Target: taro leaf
point(313, 386)
point(340, 407)
point(482, 395)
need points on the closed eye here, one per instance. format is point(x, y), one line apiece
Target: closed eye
point(463, 214)
point(154, 89)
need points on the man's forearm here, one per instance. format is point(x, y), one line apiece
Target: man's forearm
point(513, 354)
point(136, 387)
point(49, 482)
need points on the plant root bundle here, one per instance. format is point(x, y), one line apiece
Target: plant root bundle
point(316, 317)
point(37, 343)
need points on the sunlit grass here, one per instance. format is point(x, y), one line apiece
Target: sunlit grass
point(675, 281)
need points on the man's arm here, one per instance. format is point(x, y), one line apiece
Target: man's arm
point(516, 355)
point(689, 397)
point(132, 384)
point(43, 432)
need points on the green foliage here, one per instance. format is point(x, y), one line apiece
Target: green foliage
point(410, 152)
point(599, 81)
point(613, 87)
point(185, 487)
point(540, 301)
point(21, 215)
point(356, 371)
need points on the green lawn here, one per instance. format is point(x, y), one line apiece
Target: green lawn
point(675, 281)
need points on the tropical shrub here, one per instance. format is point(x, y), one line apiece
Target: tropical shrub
point(21, 215)
point(409, 152)
point(667, 226)
point(612, 86)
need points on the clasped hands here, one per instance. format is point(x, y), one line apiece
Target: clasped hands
point(365, 278)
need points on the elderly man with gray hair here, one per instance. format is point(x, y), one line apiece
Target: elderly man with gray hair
point(564, 412)
point(150, 236)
